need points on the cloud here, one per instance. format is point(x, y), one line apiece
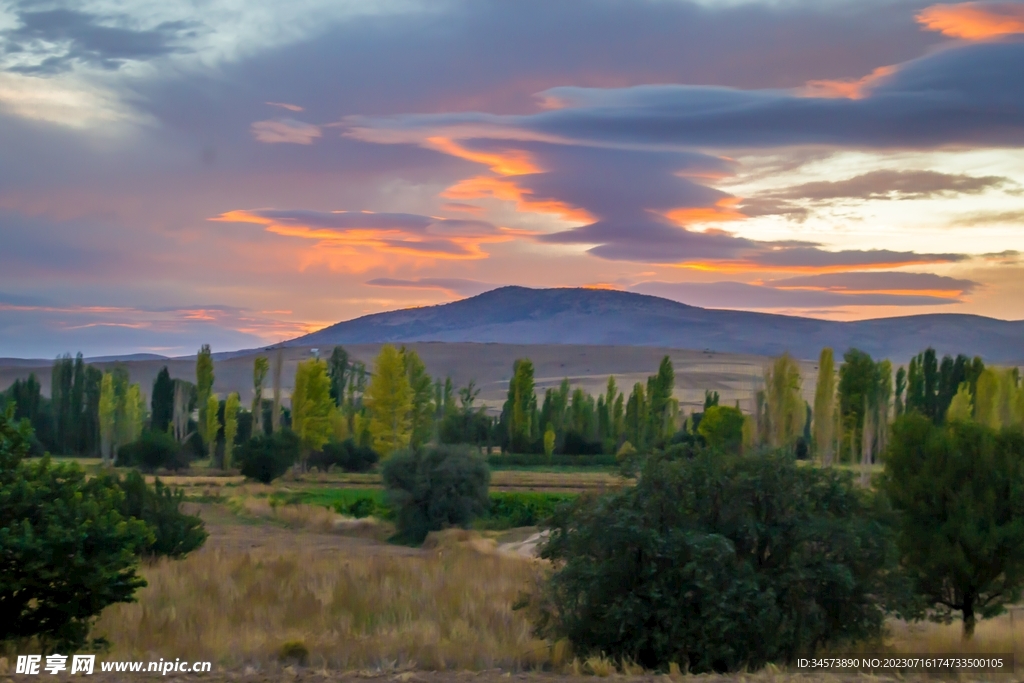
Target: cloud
point(377, 234)
point(974, 20)
point(892, 184)
point(46, 330)
point(285, 130)
point(884, 282)
point(745, 296)
point(53, 40)
point(452, 286)
point(883, 184)
point(987, 217)
point(285, 105)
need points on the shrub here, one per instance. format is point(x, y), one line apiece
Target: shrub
point(346, 455)
point(540, 460)
point(719, 562)
point(67, 550)
point(153, 451)
point(508, 510)
point(265, 458)
point(175, 534)
point(434, 488)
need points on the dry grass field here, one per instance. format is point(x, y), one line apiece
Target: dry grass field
point(361, 608)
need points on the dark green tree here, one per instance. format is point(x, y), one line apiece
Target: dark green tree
point(162, 403)
point(175, 534)
point(265, 458)
point(434, 488)
point(337, 370)
point(67, 551)
point(959, 489)
point(718, 562)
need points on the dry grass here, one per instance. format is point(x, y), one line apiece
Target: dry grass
point(310, 518)
point(1000, 635)
point(437, 610)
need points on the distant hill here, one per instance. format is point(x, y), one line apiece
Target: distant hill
point(520, 315)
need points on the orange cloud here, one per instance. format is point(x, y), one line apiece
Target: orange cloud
point(853, 90)
point(352, 241)
point(939, 293)
point(487, 187)
point(722, 211)
point(974, 20)
point(510, 162)
point(750, 266)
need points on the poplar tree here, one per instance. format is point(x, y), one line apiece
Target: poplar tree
point(785, 409)
point(422, 409)
point(211, 426)
point(961, 408)
point(521, 407)
point(107, 410)
point(388, 398)
point(824, 406)
point(312, 406)
point(162, 403)
point(337, 368)
point(260, 367)
point(275, 413)
point(230, 427)
point(204, 389)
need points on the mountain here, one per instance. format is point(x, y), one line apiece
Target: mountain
point(519, 315)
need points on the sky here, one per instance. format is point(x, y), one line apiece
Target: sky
point(240, 173)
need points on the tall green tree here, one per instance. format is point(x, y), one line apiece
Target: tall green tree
point(230, 427)
point(204, 388)
point(260, 368)
point(422, 406)
point(785, 407)
point(858, 382)
point(660, 403)
point(312, 406)
point(636, 420)
point(520, 411)
point(901, 386)
point(824, 407)
point(107, 413)
point(337, 369)
point(211, 426)
point(162, 403)
point(959, 489)
point(961, 408)
point(388, 399)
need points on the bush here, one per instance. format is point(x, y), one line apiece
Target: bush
point(346, 455)
point(175, 534)
point(497, 462)
point(265, 458)
point(67, 550)
point(576, 444)
point(434, 488)
point(508, 510)
point(718, 562)
point(153, 451)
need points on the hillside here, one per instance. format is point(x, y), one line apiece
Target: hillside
point(519, 315)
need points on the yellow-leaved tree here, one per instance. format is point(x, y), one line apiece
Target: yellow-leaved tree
point(388, 399)
point(312, 406)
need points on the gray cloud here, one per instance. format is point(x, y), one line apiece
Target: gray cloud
point(745, 296)
point(884, 184)
point(879, 282)
point(53, 40)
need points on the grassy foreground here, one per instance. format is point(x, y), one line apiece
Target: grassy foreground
point(298, 574)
